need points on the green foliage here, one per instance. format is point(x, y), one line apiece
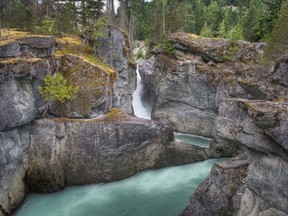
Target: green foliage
point(142, 19)
point(48, 26)
point(56, 88)
point(233, 190)
point(249, 24)
point(206, 31)
point(231, 52)
point(222, 32)
point(278, 43)
point(140, 54)
point(235, 33)
point(98, 32)
point(164, 44)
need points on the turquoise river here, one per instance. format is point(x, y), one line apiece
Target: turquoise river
point(162, 192)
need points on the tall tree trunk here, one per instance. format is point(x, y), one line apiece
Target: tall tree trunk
point(0, 24)
point(83, 13)
point(112, 11)
point(164, 3)
point(75, 16)
point(123, 16)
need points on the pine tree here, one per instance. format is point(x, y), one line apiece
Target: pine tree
point(278, 43)
point(206, 31)
point(222, 32)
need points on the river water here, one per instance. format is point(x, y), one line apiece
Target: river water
point(161, 192)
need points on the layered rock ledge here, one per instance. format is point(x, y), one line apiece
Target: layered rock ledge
point(262, 127)
point(201, 74)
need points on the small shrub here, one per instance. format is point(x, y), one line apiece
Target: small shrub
point(56, 88)
point(233, 190)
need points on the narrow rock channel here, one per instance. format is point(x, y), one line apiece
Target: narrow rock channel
point(153, 192)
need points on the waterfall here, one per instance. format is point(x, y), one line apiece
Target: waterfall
point(140, 110)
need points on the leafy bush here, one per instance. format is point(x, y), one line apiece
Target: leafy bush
point(56, 88)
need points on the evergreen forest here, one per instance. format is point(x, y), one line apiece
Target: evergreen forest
point(251, 20)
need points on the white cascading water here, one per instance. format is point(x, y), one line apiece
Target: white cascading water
point(139, 109)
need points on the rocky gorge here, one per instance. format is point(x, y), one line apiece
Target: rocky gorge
point(208, 87)
point(220, 90)
point(46, 146)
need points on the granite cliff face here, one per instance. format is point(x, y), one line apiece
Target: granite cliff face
point(71, 152)
point(258, 179)
point(46, 146)
point(114, 50)
point(24, 61)
point(214, 88)
point(262, 127)
point(196, 79)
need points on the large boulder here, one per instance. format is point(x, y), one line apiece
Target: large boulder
point(279, 70)
point(39, 46)
point(9, 49)
point(112, 147)
point(260, 125)
point(114, 50)
point(94, 96)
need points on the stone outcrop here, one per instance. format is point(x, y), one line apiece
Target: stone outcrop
point(114, 50)
point(262, 127)
point(28, 46)
point(178, 153)
point(19, 81)
point(217, 192)
point(24, 62)
point(112, 147)
point(94, 96)
point(14, 144)
point(197, 79)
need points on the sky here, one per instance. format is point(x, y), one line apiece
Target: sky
point(117, 3)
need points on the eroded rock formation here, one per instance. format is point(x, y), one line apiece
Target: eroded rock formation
point(114, 50)
point(213, 88)
point(46, 146)
point(189, 86)
point(72, 152)
point(262, 127)
point(25, 61)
